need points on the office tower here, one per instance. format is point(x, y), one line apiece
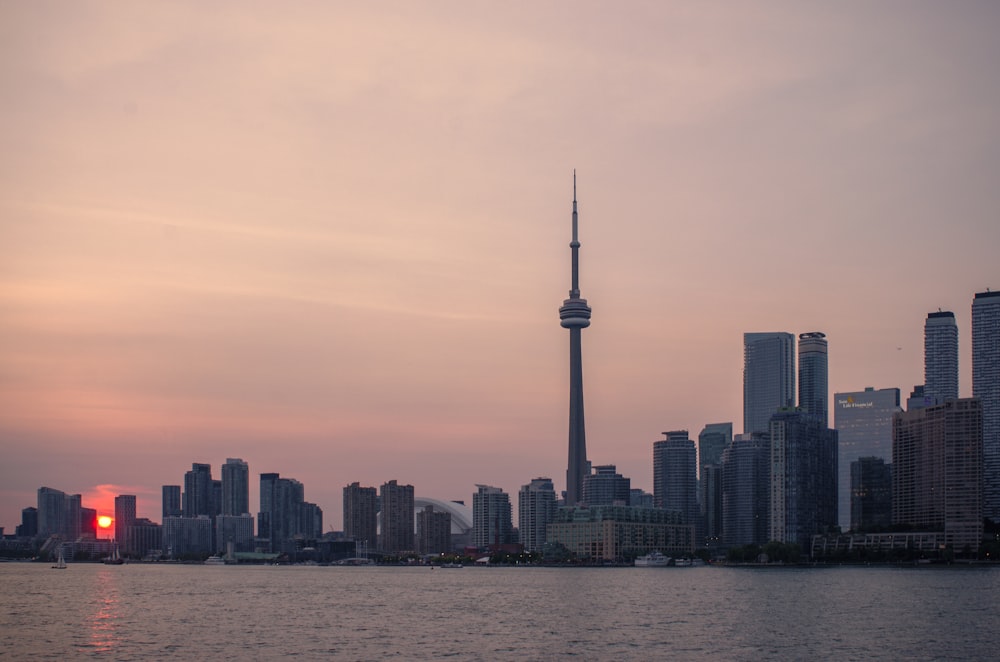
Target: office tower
point(606, 487)
point(575, 316)
point(941, 356)
point(433, 531)
point(124, 518)
point(803, 478)
point(863, 420)
point(986, 387)
point(397, 518)
point(871, 494)
point(172, 501)
point(814, 387)
point(768, 377)
point(675, 483)
point(536, 508)
point(198, 490)
point(491, 517)
point(361, 515)
point(311, 518)
point(712, 441)
point(264, 515)
point(746, 485)
point(235, 487)
point(937, 471)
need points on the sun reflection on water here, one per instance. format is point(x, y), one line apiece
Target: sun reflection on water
point(106, 611)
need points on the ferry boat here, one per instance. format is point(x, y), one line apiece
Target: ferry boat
point(215, 559)
point(652, 560)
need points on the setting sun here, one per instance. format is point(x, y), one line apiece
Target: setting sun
point(104, 521)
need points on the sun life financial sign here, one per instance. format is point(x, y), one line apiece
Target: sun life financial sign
point(850, 403)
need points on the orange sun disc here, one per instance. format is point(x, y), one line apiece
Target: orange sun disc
point(104, 521)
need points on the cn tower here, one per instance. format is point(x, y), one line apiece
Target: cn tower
point(575, 316)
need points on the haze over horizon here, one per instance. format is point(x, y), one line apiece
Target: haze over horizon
point(333, 241)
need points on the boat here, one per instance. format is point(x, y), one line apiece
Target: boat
point(682, 563)
point(653, 560)
point(215, 559)
point(61, 563)
point(115, 558)
point(451, 565)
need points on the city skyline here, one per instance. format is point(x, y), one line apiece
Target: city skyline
point(329, 242)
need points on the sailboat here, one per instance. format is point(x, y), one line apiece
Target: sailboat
point(115, 558)
point(61, 563)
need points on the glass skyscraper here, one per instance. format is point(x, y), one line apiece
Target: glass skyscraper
point(863, 420)
point(814, 389)
point(940, 356)
point(986, 387)
point(235, 487)
point(536, 509)
point(768, 377)
point(675, 475)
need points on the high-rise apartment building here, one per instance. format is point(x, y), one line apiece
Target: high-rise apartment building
point(124, 518)
point(575, 316)
point(803, 478)
point(433, 531)
point(397, 518)
point(282, 513)
point(234, 533)
point(491, 517)
point(235, 487)
point(746, 504)
point(871, 494)
point(536, 509)
point(712, 441)
point(198, 491)
point(937, 471)
point(606, 487)
point(768, 377)
point(863, 420)
point(814, 389)
point(941, 356)
point(172, 501)
point(675, 483)
point(361, 515)
point(986, 387)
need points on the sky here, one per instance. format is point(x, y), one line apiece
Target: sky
point(332, 238)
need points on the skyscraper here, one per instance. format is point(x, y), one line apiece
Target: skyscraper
point(986, 387)
point(746, 490)
point(675, 483)
point(768, 377)
point(361, 515)
point(235, 487)
point(871, 494)
point(198, 491)
point(863, 420)
point(536, 508)
point(814, 390)
point(575, 316)
point(712, 442)
point(941, 356)
point(606, 487)
point(172, 501)
point(937, 471)
point(491, 517)
point(397, 518)
point(124, 518)
point(803, 478)
point(433, 531)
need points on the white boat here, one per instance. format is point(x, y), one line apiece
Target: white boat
point(652, 560)
point(61, 563)
point(682, 563)
point(215, 560)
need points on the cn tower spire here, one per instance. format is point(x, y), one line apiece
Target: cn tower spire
point(575, 316)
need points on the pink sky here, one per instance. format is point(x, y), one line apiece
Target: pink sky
point(332, 241)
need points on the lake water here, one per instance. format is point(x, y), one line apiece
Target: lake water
point(148, 612)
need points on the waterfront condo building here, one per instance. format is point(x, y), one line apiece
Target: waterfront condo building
point(397, 518)
point(871, 494)
point(171, 501)
point(536, 508)
point(235, 487)
point(768, 377)
point(124, 518)
point(940, 356)
point(986, 387)
point(491, 517)
point(803, 478)
point(814, 387)
point(361, 515)
point(675, 482)
point(863, 420)
point(433, 531)
point(937, 471)
point(606, 487)
point(746, 489)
